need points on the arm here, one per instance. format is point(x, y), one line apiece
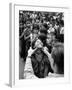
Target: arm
point(48, 54)
point(26, 37)
point(28, 70)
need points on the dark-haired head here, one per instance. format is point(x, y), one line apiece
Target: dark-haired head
point(58, 57)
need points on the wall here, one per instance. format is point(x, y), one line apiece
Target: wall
point(4, 40)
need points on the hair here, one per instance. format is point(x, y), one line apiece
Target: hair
point(45, 25)
point(43, 37)
point(43, 30)
point(58, 56)
point(61, 23)
point(36, 26)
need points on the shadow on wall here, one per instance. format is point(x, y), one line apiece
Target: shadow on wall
point(21, 68)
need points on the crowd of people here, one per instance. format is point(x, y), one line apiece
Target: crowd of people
point(41, 43)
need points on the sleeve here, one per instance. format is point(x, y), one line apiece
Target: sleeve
point(28, 70)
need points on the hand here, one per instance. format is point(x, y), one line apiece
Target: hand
point(31, 51)
point(45, 49)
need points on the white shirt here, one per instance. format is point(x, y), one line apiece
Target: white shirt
point(28, 70)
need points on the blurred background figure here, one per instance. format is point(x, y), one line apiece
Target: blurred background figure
point(56, 59)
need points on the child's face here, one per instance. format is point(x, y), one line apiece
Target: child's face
point(49, 39)
point(38, 44)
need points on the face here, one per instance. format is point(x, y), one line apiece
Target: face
point(49, 39)
point(34, 35)
point(35, 31)
point(50, 25)
point(38, 44)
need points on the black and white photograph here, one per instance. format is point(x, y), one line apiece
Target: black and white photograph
point(41, 44)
